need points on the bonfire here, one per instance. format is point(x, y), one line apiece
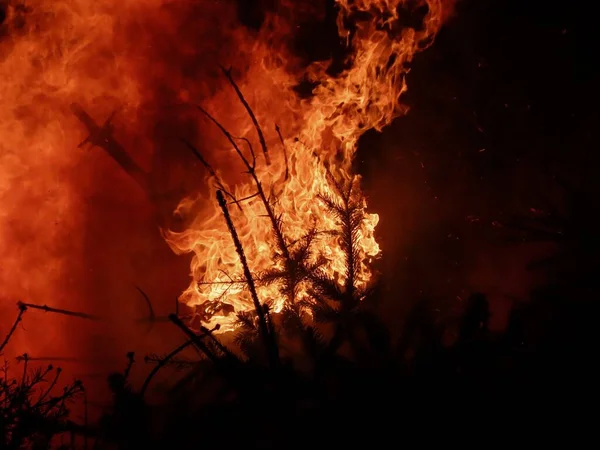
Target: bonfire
point(298, 211)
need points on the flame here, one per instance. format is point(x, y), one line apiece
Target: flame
point(153, 60)
point(321, 133)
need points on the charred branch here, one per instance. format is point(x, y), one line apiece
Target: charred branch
point(211, 171)
point(161, 319)
point(22, 310)
point(152, 318)
point(198, 341)
point(64, 312)
point(130, 363)
point(229, 137)
point(177, 363)
point(27, 357)
point(251, 169)
point(248, 197)
point(267, 337)
point(261, 136)
point(270, 213)
point(287, 168)
point(102, 136)
point(162, 363)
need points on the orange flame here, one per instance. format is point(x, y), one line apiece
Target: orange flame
point(152, 60)
point(321, 135)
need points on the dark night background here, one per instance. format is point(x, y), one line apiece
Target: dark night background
point(502, 103)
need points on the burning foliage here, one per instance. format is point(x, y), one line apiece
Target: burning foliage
point(300, 182)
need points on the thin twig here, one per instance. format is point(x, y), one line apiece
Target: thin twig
point(25, 357)
point(48, 358)
point(221, 283)
point(287, 169)
point(282, 245)
point(200, 157)
point(261, 136)
point(209, 333)
point(177, 362)
point(162, 363)
point(50, 386)
point(148, 303)
point(65, 312)
point(249, 144)
point(228, 135)
point(197, 340)
point(268, 340)
point(22, 310)
point(249, 197)
point(161, 319)
point(151, 317)
point(275, 225)
point(212, 172)
point(130, 362)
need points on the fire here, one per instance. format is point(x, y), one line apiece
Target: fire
point(320, 136)
point(151, 62)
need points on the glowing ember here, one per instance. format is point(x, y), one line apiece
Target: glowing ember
point(320, 135)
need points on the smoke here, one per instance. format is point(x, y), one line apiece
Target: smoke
point(75, 231)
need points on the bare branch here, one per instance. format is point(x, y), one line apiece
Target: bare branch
point(197, 340)
point(268, 338)
point(64, 312)
point(22, 310)
point(130, 362)
point(249, 144)
point(151, 315)
point(162, 363)
point(200, 157)
point(275, 224)
point(287, 169)
point(229, 137)
point(261, 136)
point(211, 171)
